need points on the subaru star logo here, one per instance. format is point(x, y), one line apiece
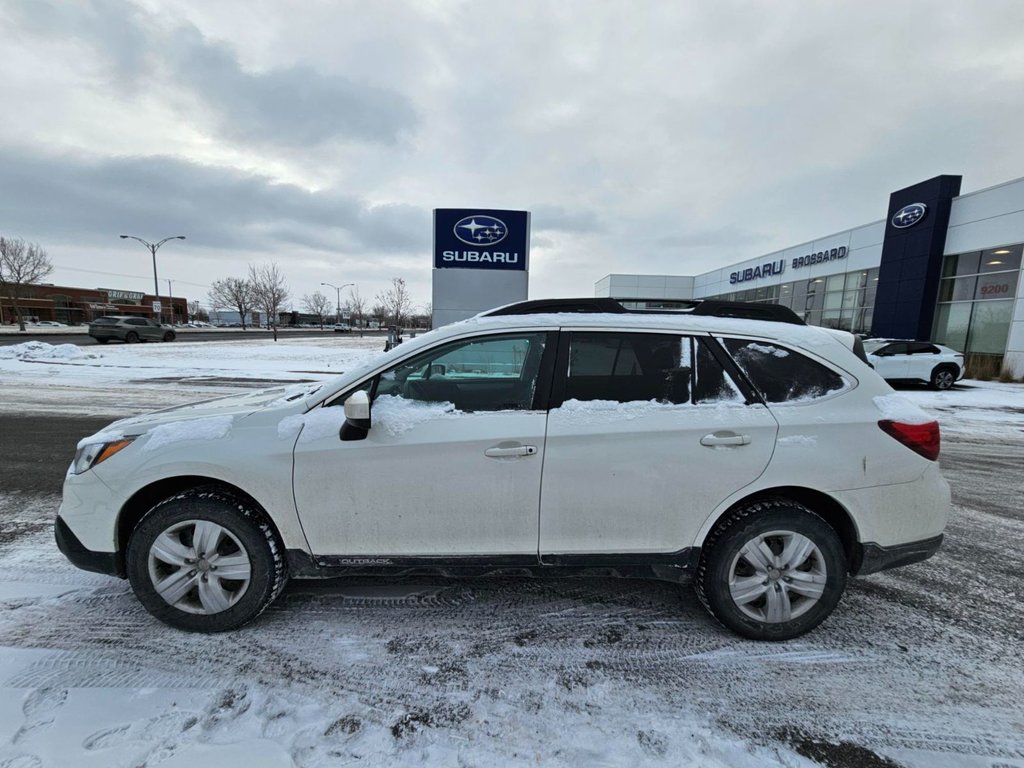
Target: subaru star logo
point(481, 230)
point(909, 215)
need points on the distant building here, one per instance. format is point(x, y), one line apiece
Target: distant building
point(71, 305)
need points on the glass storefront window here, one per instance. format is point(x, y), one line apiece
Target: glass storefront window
point(961, 264)
point(951, 324)
point(833, 300)
point(957, 289)
point(850, 299)
point(830, 318)
point(996, 285)
point(835, 282)
point(990, 325)
point(1000, 259)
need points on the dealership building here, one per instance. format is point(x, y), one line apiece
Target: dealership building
point(941, 266)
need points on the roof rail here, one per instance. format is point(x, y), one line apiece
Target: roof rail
point(707, 307)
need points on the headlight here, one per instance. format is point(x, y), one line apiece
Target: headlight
point(90, 455)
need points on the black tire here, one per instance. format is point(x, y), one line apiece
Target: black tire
point(268, 570)
point(102, 341)
point(944, 377)
point(131, 337)
point(723, 547)
point(169, 336)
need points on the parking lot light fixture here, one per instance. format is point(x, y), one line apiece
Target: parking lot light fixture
point(337, 299)
point(153, 248)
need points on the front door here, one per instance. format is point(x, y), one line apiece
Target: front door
point(451, 464)
point(651, 435)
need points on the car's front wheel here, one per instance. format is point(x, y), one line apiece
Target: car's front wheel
point(205, 561)
point(771, 570)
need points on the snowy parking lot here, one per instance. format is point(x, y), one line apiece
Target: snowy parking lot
point(920, 666)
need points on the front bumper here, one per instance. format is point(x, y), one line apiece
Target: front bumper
point(86, 559)
point(874, 557)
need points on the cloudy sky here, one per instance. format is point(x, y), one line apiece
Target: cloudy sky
point(652, 137)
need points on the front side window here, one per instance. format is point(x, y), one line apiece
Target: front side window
point(493, 373)
point(782, 375)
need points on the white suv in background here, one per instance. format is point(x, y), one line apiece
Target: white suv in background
point(730, 443)
point(909, 360)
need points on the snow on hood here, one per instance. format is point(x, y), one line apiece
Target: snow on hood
point(211, 428)
point(232, 406)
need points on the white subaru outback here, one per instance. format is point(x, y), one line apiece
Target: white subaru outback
point(728, 442)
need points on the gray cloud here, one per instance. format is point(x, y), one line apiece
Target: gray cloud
point(90, 200)
point(293, 106)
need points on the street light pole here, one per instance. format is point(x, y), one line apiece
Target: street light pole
point(153, 248)
point(337, 299)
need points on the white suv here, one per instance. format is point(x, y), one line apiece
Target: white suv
point(763, 457)
point(909, 360)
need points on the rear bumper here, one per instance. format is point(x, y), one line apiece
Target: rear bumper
point(80, 556)
point(874, 557)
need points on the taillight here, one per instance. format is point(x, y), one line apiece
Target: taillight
point(920, 438)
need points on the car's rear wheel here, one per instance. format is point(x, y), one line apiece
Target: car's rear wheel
point(944, 377)
point(131, 337)
point(205, 561)
point(102, 341)
point(169, 336)
point(771, 570)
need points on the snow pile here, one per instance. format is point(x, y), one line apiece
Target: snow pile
point(40, 350)
point(897, 408)
point(315, 425)
point(396, 415)
point(210, 428)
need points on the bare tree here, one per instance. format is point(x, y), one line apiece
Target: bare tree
point(395, 301)
point(357, 306)
point(233, 292)
point(317, 304)
point(379, 311)
point(21, 265)
point(270, 291)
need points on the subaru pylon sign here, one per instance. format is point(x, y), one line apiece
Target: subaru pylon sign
point(476, 238)
point(481, 261)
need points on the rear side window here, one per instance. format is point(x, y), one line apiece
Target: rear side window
point(105, 321)
point(629, 367)
point(782, 375)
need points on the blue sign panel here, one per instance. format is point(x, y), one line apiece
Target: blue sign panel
point(477, 238)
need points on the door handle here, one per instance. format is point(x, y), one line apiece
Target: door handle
point(724, 438)
point(510, 453)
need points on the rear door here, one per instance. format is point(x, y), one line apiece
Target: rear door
point(647, 434)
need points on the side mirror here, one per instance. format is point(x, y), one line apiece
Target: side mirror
point(357, 417)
